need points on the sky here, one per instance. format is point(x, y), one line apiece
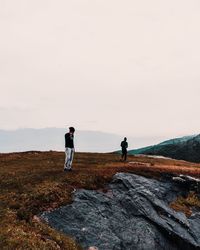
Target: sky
point(106, 65)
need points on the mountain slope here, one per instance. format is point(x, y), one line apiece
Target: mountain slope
point(34, 182)
point(185, 148)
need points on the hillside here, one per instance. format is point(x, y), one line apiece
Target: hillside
point(34, 182)
point(185, 148)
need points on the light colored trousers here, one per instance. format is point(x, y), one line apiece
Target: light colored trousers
point(69, 155)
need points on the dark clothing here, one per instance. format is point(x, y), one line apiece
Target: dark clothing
point(124, 150)
point(124, 146)
point(124, 155)
point(69, 140)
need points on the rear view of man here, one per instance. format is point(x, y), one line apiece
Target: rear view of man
point(69, 149)
point(124, 146)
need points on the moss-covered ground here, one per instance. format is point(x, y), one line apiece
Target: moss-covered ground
point(32, 182)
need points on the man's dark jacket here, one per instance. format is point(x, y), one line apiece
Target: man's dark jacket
point(124, 146)
point(69, 140)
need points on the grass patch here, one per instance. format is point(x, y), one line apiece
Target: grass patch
point(186, 204)
point(32, 182)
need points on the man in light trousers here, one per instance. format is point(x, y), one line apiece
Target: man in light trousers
point(69, 149)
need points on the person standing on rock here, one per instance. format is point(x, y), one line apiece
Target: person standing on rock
point(69, 149)
point(124, 146)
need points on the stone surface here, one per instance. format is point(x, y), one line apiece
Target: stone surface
point(133, 214)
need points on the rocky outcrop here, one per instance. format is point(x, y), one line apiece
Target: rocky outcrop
point(133, 214)
point(187, 182)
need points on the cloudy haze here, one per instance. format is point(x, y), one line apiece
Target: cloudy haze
point(105, 65)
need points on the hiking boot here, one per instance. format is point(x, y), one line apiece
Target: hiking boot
point(67, 169)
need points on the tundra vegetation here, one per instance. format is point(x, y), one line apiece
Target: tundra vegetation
point(33, 182)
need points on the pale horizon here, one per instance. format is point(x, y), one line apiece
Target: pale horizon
point(128, 67)
point(105, 132)
point(45, 139)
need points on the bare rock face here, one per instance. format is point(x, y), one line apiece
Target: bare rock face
point(133, 214)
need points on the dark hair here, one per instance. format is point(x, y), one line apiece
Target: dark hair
point(71, 129)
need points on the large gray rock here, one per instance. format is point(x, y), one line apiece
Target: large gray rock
point(133, 214)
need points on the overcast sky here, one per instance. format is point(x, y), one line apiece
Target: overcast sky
point(129, 66)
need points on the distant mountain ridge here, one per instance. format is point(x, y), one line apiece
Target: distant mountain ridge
point(184, 148)
point(53, 139)
point(45, 139)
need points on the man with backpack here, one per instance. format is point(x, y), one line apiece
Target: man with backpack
point(69, 149)
point(124, 146)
